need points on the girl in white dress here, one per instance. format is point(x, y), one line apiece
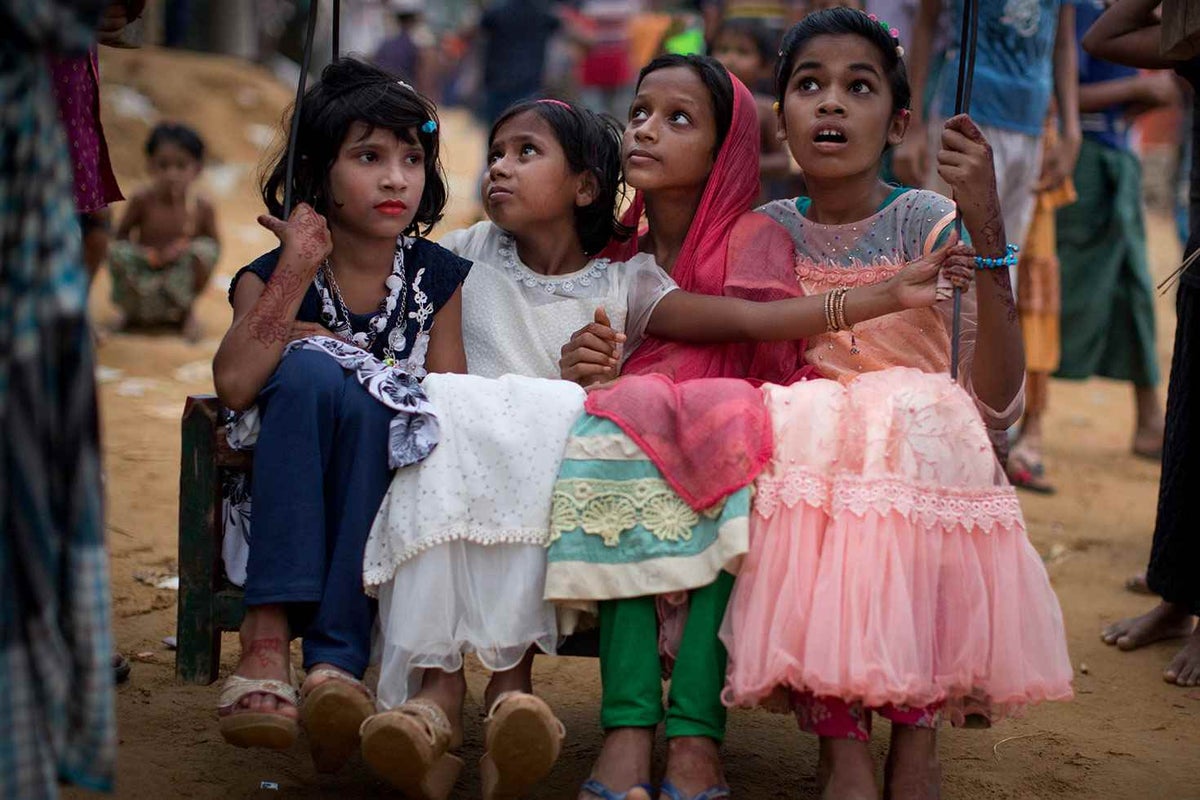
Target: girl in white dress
point(456, 555)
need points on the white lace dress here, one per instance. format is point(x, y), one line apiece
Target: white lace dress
point(457, 553)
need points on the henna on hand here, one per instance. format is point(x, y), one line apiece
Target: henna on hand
point(312, 236)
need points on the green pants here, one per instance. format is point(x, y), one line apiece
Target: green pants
point(632, 675)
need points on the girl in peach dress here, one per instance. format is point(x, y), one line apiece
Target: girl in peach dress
point(889, 568)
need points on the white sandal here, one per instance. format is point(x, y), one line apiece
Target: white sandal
point(407, 746)
point(523, 740)
point(333, 712)
point(257, 728)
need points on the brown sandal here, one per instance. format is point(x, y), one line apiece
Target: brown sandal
point(407, 746)
point(333, 711)
point(523, 739)
point(268, 729)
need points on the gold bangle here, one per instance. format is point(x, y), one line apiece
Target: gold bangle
point(830, 316)
point(843, 324)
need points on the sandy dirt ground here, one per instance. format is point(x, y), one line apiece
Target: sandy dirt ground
point(1126, 735)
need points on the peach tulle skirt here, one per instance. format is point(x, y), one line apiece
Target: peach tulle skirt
point(888, 560)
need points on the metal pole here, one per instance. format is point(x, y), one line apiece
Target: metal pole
point(295, 131)
point(337, 29)
point(962, 105)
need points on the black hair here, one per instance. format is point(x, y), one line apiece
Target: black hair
point(353, 91)
point(591, 142)
point(177, 134)
point(845, 22)
point(713, 75)
point(757, 31)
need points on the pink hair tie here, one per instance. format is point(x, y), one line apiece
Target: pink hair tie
point(552, 101)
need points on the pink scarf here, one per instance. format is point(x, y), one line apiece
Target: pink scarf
point(710, 438)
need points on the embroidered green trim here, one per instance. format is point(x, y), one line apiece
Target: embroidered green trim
point(609, 508)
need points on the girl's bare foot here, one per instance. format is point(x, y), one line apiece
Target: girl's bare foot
point(624, 762)
point(1148, 442)
point(1184, 669)
point(694, 764)
point(845, 770)
point(912, 771)
point(1164, 621)
point(265, 640)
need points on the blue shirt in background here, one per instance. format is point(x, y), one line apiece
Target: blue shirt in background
point(1014, 63)
point(1109, 127)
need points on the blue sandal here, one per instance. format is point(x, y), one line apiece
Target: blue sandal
point(670, 791)
point(595, 787)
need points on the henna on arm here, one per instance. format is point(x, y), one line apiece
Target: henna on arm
point(1003, 282)
point(269, 322)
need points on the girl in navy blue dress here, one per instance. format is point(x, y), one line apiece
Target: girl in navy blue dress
point(330, 334)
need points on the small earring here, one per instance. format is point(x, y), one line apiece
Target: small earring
point(775, 106)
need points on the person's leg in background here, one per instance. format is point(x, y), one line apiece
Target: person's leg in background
point(1039, 306)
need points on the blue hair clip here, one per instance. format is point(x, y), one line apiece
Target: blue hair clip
point(429, 127)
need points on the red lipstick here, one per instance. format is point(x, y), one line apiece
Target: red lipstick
point(392, 208)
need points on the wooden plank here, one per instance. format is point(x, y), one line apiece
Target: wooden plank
point(228, 608)
point(1181, 29)
point(198, 656)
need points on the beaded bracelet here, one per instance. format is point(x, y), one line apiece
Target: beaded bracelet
point(1009, 259)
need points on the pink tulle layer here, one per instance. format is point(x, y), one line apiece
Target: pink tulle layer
point(888, 559)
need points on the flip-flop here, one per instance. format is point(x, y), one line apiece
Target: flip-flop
point(522, 740)
point(598, 789)
point(268, 729)
point(1028, 473)
point(407, 746)
point(333, 712)
point(669, 791)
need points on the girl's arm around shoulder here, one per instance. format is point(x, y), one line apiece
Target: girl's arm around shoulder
point(446, 352)
point(264, 313)
point(712, 319)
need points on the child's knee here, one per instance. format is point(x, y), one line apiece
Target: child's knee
point(306, 374)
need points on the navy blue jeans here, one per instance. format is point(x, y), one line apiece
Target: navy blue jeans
point(320, 473)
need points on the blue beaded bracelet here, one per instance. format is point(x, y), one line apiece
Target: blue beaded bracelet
point(1009, 259)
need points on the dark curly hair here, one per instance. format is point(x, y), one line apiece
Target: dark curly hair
point(843, 21)
point(178, 134)
point(353, 91)
point(713, 75)
point(591, 143)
